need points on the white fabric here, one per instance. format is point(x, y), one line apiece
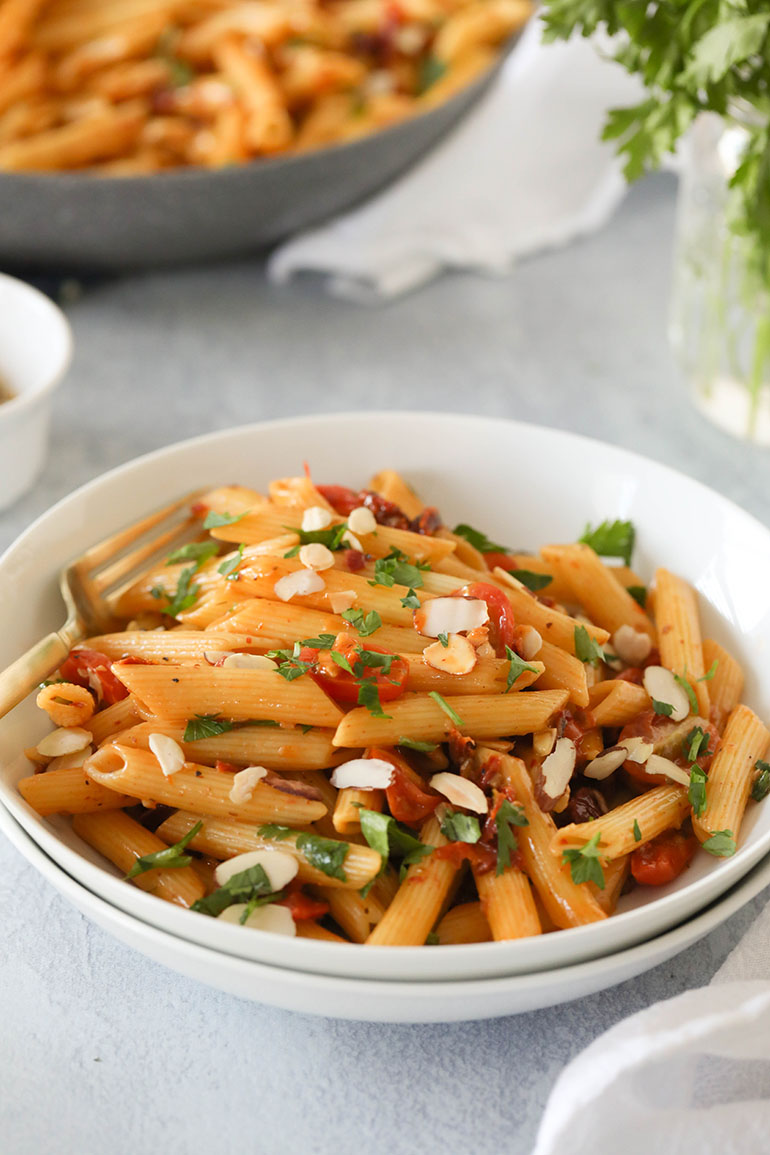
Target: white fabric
point(691, 1074)
point(525, 171)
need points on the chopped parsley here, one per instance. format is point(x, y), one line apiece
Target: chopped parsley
point(664, 708)
point(432, 939)
point(205, 726)
point(322, 642)
point(324, 854)
point(478, 540)
point(388, 837)
point(411, 601)
point(444, 639)
point(516, 667)
point(229, 567)
point(290, 665)
point(710, 672)
point(685, 685)
point(214, 520)
point(430, 70)
point(184, 596)
point(277, 833)
point(170, 858)
point(697, 790)
point(396, 569)
point(250, 886)
point(197, 551)
point(721, 844)
point(761, 787)
point(639, 594)
point(442, 702)
point(611, 539)
point(341, 661)
point(459, 827)
point(587, 649)
point(333, 538)
point(506, 818)
point(637, 832)
point(584, 862)
point(365, 624)
point(416, 744)
point(696, 744)
point(533, 581)
point(369, 696)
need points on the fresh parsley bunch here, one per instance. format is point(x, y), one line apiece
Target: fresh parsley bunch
point(692, 56)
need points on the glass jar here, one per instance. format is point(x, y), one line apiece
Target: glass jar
point(720, 311)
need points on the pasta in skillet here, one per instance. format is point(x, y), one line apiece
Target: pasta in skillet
point(329, 715)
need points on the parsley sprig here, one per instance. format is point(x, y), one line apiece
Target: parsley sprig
point(184, 596)
point(390, 838)
point(506, 818)
point(611, 539)
point(584, 862)
point(170, 858)
point(396, 569)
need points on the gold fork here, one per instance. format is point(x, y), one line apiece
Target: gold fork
point(91, 585)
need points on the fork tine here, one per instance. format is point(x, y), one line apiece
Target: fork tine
point(144, 555)
point(107, 549)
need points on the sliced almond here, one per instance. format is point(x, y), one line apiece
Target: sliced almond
point(558, 768)
point(460, 792)
point(661, 685)
point(655, 764)
point(279, 867)
point(457, 657)
point(341, 601)
point(351, 541)
point(638, 749)
point(65, 740)
point(632, 646)
point(70, 761)
point(315, 518)
point(606, 763)
point(543, 742)
point(530, 643)
point(169, 753)
point(450, 616)
point(316, 555)
point(248, 662)
point(244, 782)
point(362, 520)
point(363, 774)
point(273, 918)
point(298, 584)
point(214, 657)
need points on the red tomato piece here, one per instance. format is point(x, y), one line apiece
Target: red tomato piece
point(343, 686)
point(503, 560)
point(501, 620)
point(303, 907)
point(343, 499)
point(664, 858)
point(407, 801)
point(484, 858)
point(92, 669)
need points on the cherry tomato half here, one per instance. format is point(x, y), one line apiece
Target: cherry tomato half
point(303, 907)
point(501, 620)
point(503, 560)
point(663, 859)
point(92, 669)
point(407, 801)
point(343, 686)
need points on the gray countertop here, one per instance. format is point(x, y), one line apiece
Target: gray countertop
point(104, 1050)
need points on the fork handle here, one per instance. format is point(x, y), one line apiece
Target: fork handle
point(23, 675)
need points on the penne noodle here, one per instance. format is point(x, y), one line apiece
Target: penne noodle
point(617, 702)
point(391, 485)
point(169, 645)
point(663, 808)
point(507, 903)
point(274, 747)
point(616, 873)
point(488, 676)
point(592, 585)
point(346, 818)
point(563, 671)
point(463, 924)
point(120, 716)
point(679, 637)
point(69, 792)
point(728, 785)
point(552, 625)
point(726, 686)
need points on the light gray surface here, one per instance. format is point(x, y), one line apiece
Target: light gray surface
point(574, 339)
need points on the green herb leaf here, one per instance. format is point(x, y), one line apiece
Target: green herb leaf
point(432, 939)
point(369, 696)
point(478, 540)
point(388, 837)
point(416, 744)
point(245, 886)
point(637, 832)
point(278, 833)
point(506, 818)
point(611, 539)
point(721, 844)
point(322, 642)
point(333, 537)
point(664, 708)
point(341, 660)
point(411, 601)
point(680, 681)
point(459, 827)
point(430, 70)
point(584, 862)
point(396, 569)
point(533, 581)
point(171, 858)
point(444, 639)
point(214, 520)
point(695, 744)
point(205, 726)
point(290, 666)
point(639, 594)
point(587, 649)
point(184, 596)
point(324, 854)
point(229, 567)
point(710, 672)
point(197, 551)
point(697, 790)
point(516, 668)
point(442, 702)
point(761, 786)
point(364, 624)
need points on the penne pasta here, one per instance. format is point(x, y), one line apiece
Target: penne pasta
point(679, 637)
point(274, 747)
point(745, 740)
point(663, 808)
point(593, 587)
point(69, 792)
point(726, 686)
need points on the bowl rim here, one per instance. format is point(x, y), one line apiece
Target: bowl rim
point(732, 868)
point(24, 398)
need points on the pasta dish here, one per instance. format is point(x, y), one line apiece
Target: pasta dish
point(330, 715)
point(126, 87)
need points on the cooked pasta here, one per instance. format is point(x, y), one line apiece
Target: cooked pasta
point(389, 725)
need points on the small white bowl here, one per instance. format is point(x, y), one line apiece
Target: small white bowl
point(35, 351)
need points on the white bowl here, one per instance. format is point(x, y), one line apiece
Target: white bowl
point(522, 485)
point(382, 1001)
point(35, 350)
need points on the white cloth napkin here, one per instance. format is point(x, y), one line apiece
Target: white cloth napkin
point(691, 1074)
point(525, 171)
